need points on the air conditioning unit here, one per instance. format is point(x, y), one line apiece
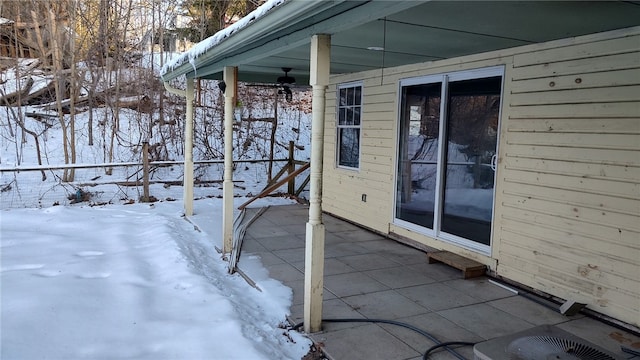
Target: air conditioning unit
point(541, 343)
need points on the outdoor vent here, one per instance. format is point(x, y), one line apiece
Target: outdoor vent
point(541, 343)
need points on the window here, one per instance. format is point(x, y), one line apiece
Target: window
point(448, 136)
point(349, 115)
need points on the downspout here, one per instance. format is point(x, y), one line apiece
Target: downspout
point(315, 232)
point(188, 143)
point(230, 80)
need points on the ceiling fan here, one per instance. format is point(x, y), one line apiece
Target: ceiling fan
point(284, 82)
point(286, 79)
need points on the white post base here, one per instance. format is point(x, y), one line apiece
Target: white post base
point(313, 277)
point(227, 216)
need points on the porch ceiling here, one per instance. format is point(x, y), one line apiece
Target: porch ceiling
point(409, 31)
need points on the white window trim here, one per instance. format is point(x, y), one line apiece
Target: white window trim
point(338, 126)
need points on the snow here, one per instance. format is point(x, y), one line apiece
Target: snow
point(462, 198)
point(467, 203)
point(9, 83)
point(212, 41)
point(28, 189)
point(134, 281)
point(129, 279)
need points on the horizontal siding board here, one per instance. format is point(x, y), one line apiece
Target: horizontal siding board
point(352, 194)
point(620, 305)
point(594, 156)
point(580, 140)
point(578, 51)
point(553, 83)
point(624, 222)
point(623, 190)
point(352, 179)
point(374, 151)
point(596, 268)
point(578, 96)
point(558, 276)
point(385, 159)
point(577, 126)
point(389, 98)
point(549, 275)
point(388, 116)
point(371, 89)
point(619, 258)
point(377, 133)
point(621, 61)
point(568, 111)
point(387, 107)
point(359, 183)
point(373, 167)
point(365, 76)
point(574, 197)
point(613, 173)
point(387, 143)
point(574, 231)
point(386, 125)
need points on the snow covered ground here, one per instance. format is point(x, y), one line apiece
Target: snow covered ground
point(112, 278)
point(137, 282)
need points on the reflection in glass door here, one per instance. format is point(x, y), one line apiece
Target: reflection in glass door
point(447, 152)
point(472, 130)
point(418, 160)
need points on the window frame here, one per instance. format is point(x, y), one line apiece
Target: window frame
point(339, 127)
point(445, 78)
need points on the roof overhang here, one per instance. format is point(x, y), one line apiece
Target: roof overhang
point(374, 34)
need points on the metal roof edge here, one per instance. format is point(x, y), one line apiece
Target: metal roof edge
point(286, 12)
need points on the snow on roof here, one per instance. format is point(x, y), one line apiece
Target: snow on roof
point(205, 45)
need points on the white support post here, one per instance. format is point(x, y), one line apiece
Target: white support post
point(188, 150)
point(314, 246)
point(229, 76)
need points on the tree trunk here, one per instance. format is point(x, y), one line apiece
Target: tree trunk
point(73, 94)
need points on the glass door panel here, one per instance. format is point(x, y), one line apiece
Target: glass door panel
point(418, 153)
point(471, 135)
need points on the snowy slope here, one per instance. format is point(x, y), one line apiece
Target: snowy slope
point(132, 281)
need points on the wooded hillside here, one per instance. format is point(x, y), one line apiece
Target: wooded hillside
point(79, 65)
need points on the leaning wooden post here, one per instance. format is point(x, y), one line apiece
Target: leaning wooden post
point(314, 243)
point(274, 127)
point(229, 75)
point(291, 188)
point(145, 171)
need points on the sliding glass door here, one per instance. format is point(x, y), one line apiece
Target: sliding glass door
point(447, 155)
point(418, 160)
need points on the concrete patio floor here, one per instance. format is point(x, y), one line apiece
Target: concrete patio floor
point(368, 276)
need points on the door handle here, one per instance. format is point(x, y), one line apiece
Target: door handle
point(494, 162)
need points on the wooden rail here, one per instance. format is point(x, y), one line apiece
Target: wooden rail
point(273, 187)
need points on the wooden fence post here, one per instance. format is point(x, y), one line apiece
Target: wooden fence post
point(145, 171)
point(291, 188)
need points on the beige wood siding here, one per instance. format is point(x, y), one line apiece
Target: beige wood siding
point(375, 174)
point(570, 191)
point(567, 206)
